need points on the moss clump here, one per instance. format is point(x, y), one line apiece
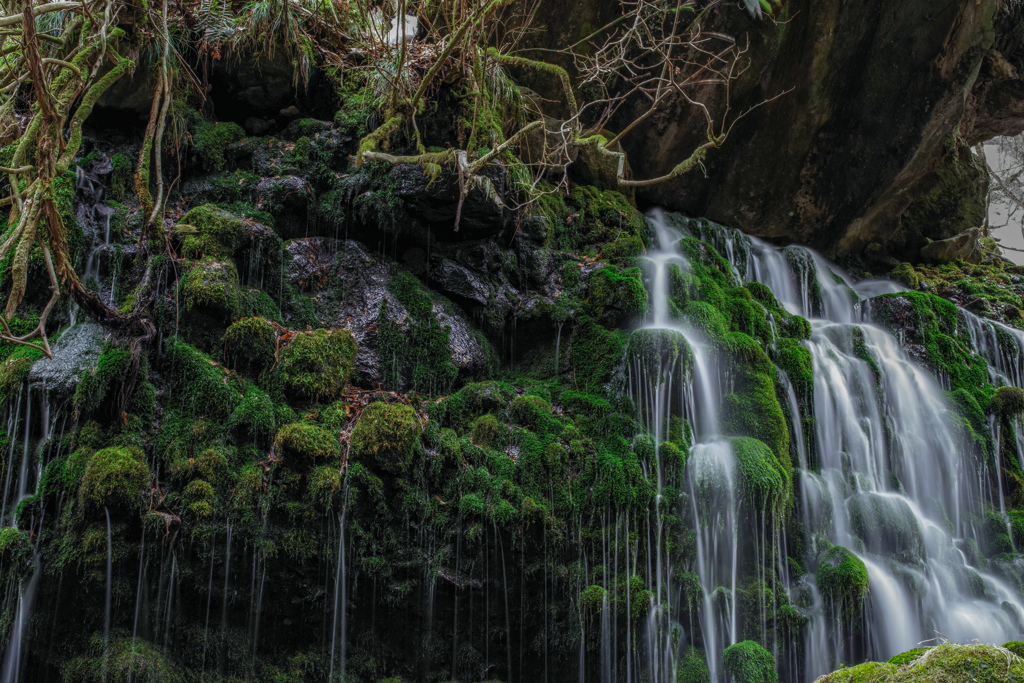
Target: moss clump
point(1016, 647)
point(389, 433)
point(907, 657)
point(748, 662)
point(307, 440)
point(764, 483)
point(532, 412)
point(251, 343)
point(617, 294)
point(886, 525)
point(622, 250)
point(255, 414)
point(212, 286)
point(796, 362)
point(485, 431)
point(658, 352)
point(946, 663)
point(1007, 402)
point(93, 387)
point(199, 498)
point(754, 410)
point(14, 370)
point(843, 580)
point(693, 668)
point(199, 386)
point(905, 274)
point(210, 139)
point(317, 365)
point(114, 478)
point(208, 231)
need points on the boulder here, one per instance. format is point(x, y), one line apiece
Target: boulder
point(964, 247)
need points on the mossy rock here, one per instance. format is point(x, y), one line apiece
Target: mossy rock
point(1016, 647)
point(15, 369)
point(754, 410)
point(1007, 402)
point(210, 139)
point(843, 579)
point(212, 286)
point(764, 483)
point(252, 344)
point(15, 547)
point(659, 352)
point(199, 385)
point(256, 414)
point(946, 663)
point(485, 431)
point(531, 411)
point(199, 498)
point(389, 433)
point(693, 667)
point(886, 524)
point(208, 231)
point(908, 656)
point(616, 296)
point(748, 662)
point(317, 365)
point(307, 440)
point(114, 478)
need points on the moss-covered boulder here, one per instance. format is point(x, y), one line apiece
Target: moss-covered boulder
point(764, 482)
point(946, 663)
point(617, 296)
point(317, 365)
point(307, 440)
point(843, 580)
point(693, 667)
point(251, 344)
point(1007, 402)
point(388, 434)
point(114, 478)
point(199, 386)
point(208, 231)
point(212, 286)
point(748, 662)
point(886, 524)
point(199, 498)
point(659, 352)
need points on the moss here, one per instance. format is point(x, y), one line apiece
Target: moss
point(251, 343)
point(94, 385)
point(795, 360)
point(748, 662)
point(764, 483)
point(595, 353)
point(533, 412)
point(886, 524)
point(15, 548)
point(622, 291)
point(324, 483)
point(485, 431)
point(199, 498)
point(946, 663)
point(418, 347)
point(754, 410)
point(317, 365)
point(1016, 647)
point(114, 478)
point(198, 385)
point(693, 667)
point(210, 139)
point(124, 659)
point(307, 440)
point(905, 274)
point(209, 232)
point(389, 434)
point(843, 580)
point(121, 176)
point(255, 414)
point(658, 352)
point(15, 369)
point(907, 657)
point(622, 250)
point(592, 599)
point(1007, 402)
point(213, 286)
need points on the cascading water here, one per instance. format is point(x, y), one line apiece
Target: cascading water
point(885, 473)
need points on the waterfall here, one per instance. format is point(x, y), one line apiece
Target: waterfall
point(885, 475)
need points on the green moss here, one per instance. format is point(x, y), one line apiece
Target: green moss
point(255, 414)
point(198, 385)
point(905, 274)
point(748, 662)
point(389, 434)
point(15, 369)
point(324, 483)
point(317, 365)
point(622, 250)
point(620, 290)
point(795, 360)
point(754, 410)
point(209, 232)
point(1007, 402)
point(886, 524)
point(843, 581)
point(693, 667)
point(591, 600)
point(125, 659)
point(251, 343)
point(114, 478)
point(307, 440)
point(210, 139)
point(121, 176)
point(764, 483)
point(907, 657)
point(94, 385)
point(946, 663)
point(212, 286)
point(869, 672)
point(199, 498)
point(485, 431)
point(1016, 647)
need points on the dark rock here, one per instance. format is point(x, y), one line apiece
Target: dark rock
point(963, 247)
point(814, 166)
point(458, 280)
point(256, 126)
point(435, 202)
point(257, 85)
point(305, 128)
point(287, 199)
point(309, 263)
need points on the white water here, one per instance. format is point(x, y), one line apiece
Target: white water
point(886, 476)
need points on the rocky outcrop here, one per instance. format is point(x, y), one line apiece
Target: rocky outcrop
point(867, 107)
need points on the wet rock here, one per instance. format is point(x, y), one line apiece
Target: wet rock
point(964, 247)
point(257, 126)
point(76, 351)
point(435, 201)
point(305, 128)
point(309, 262)
point(460, 281)
point(287, 199)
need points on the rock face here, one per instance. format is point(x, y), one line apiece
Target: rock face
point(874, 101)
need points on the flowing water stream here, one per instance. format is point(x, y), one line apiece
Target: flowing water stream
point(885, 473)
